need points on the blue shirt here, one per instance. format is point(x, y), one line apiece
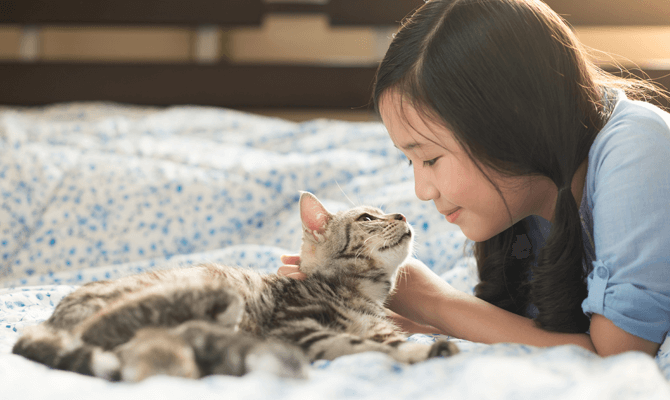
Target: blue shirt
point(625, 212)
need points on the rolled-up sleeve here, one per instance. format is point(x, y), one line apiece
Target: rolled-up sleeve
point(628, 183)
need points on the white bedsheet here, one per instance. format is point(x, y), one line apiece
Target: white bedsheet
point(97, 191)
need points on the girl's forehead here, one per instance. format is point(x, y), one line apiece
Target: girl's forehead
point(409, 126)
point(421, 138)
point(396, 109)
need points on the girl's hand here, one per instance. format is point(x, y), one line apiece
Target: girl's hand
point(409, 300)
point(291, 267)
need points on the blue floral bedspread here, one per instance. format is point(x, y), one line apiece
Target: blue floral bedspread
point(96, 191)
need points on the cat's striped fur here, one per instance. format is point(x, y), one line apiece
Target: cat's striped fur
point(214, 319)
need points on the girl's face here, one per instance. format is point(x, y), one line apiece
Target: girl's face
point(445, 174)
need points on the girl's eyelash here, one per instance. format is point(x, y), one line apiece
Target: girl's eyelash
point(428, 163)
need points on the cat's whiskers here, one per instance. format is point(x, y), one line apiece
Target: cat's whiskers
point(376, 235)
point(370, 252)
point(358, 253)
point(401, 275)
point(345, 195)
point(364, 247)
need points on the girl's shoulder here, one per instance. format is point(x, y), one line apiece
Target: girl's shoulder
point(636, 126)
point(634, 142)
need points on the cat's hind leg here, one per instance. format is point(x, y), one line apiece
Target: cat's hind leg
point(199, 348)
point(219, 350)
point(60, 349)
point(156, 351)
point(166, 306)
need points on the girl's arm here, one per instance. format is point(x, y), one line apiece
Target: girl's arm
point(609, 339)
point(424, 303)
point(426, 299)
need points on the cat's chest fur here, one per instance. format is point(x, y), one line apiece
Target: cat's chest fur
point(280, 303)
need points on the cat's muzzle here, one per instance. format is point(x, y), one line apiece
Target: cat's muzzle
point(405, 236)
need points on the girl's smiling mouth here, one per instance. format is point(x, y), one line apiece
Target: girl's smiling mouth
point(452, 214)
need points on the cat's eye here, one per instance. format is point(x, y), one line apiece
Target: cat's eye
point(366, 218)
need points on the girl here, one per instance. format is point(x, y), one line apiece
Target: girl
point(541, 159)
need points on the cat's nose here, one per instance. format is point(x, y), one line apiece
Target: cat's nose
point(399, 217)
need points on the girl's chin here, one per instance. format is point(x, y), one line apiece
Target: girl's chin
point(476, 235)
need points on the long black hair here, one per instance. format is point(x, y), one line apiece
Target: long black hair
point(513, 84)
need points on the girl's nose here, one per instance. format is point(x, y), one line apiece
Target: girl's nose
point(423, 188)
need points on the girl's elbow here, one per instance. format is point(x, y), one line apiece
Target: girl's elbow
point(608, 339)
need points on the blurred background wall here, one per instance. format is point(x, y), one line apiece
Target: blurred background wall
point(282, 38)
point(306, 38)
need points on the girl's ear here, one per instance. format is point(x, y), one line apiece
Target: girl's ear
point(314, 215)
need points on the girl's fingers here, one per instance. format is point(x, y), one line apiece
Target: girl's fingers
point(290, 259)
point(291, 271)
point(297, 275)
point(288, 269)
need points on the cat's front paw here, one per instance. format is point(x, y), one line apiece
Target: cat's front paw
point(442, 348)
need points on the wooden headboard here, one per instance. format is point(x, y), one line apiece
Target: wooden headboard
point(239, 85)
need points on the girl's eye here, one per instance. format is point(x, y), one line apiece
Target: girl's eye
point(366, 218)
point(428, 163)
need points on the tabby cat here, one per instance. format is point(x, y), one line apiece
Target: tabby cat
point(212, 319)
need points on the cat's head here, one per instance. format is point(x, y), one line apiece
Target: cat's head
point(360, 241)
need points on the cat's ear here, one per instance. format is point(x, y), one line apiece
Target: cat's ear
point(314, 215)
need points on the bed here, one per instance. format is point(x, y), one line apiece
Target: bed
point(98, 182)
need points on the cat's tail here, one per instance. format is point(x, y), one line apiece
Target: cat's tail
point(62, 350)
